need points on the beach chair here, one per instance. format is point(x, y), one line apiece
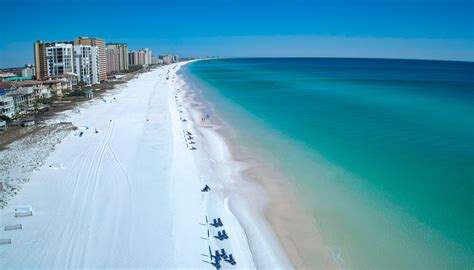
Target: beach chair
point(220, 236)
point(220, 222)
point(5, 241)
point(217, 256)
point(216, 223)
point(216, 264)
point(231, 260)
point(23, 208)
point(223, 254)
point(12, 227)
point(23, 214)
point(224, 235)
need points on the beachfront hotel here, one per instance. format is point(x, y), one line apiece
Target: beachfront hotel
point(86, 64)
point(100, 44)
point(142, 57)
point(167, 59)
point(40, 59)
point(112, 56)
point(117, 57)
point(62, 67)
point(59, 59)
point(69, 58)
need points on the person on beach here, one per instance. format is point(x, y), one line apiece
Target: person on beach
point(206, 188)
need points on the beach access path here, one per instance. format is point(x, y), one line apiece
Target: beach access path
point(124, 191)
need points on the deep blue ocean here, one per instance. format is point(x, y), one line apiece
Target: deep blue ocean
point(380, 151)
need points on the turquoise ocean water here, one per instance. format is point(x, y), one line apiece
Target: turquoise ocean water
point(380, 151)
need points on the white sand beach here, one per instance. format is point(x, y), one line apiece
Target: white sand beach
point(129, 195)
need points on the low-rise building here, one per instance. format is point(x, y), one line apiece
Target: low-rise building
point(7, 106)
point(5, 76)
point(70, 78)
point(57, 87)
point(33, 86)
point(24, 101)
point(28, 71)
point(24, 95)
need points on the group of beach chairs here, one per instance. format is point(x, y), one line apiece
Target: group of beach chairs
point(217, 223)
point(20, 212)
point(220, 255)
point(188, 138)
point(5, 241)
point(222, 235)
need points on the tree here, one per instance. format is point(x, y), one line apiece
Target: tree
point(5, 118)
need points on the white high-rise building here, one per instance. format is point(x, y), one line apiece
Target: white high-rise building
point(86, 64)
point(95, 54)
point(147, 56)
point(59, 59)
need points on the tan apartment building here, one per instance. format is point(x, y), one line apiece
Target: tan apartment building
point(100, 43)
point(40, 59)
point(112, 61)
point(118, 56)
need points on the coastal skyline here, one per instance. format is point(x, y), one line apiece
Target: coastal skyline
point(420, 29)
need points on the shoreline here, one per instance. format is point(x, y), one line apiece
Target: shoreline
point(244, 201)
point(278, 206)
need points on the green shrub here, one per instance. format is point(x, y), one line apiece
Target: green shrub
point(77, 93)
point(5, 118)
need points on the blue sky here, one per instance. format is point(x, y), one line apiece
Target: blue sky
point(420, 29)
